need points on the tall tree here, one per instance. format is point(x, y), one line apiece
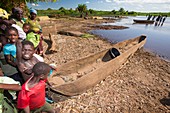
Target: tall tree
point(62, 8)
point(122, 11)
point(82, 8)
point(91, 11)
point(113, 11)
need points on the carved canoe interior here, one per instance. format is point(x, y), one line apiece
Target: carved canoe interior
point(75, 77)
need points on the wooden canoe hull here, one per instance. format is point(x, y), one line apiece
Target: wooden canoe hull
point(144, 21)
point(91, 79)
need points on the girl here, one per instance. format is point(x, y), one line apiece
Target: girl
point(9, 51)
point(10, 48)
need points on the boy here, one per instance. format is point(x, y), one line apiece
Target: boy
point(25, 58)
point(32, 96)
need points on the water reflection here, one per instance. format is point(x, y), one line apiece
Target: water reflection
point(158, 37)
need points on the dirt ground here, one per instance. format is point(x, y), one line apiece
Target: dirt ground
point(141, 85)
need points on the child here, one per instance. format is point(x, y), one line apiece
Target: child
point(35, 39)
point(26, 28)
point(32, 36)
point(9, 51)
point(26, 58)
point(32, 95)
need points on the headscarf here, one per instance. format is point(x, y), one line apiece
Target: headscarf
point(33, 11)
point(22, 34)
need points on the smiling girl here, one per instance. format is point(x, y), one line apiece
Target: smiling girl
point(9, 51)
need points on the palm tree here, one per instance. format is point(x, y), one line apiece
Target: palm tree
point(82, 9)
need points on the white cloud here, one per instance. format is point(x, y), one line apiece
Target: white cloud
point(87, 2)
point(140, 5)
point(108, 0)
point(33, 4)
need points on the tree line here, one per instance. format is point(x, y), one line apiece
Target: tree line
point(81, 9)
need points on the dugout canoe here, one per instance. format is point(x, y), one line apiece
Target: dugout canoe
point(144, 21)
point(82, 74)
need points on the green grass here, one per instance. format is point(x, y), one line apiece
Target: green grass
point(86, 35)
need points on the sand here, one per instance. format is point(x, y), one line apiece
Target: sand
point(141, 85)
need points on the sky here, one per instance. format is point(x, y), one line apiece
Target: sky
point(108, 5)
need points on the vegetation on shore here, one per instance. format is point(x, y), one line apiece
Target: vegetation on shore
point(83, 11)
point(80, 11)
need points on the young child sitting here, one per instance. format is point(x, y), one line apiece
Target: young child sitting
point(9, 51)
point(32, 36)
point(26, 58)
point(32, 95)
point(26, 28)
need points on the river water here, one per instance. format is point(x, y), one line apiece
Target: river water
point(158, 37)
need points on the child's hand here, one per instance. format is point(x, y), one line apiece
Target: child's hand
point(18, 43)
point(21, 67)
point(24, 69)
point(28, 71)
